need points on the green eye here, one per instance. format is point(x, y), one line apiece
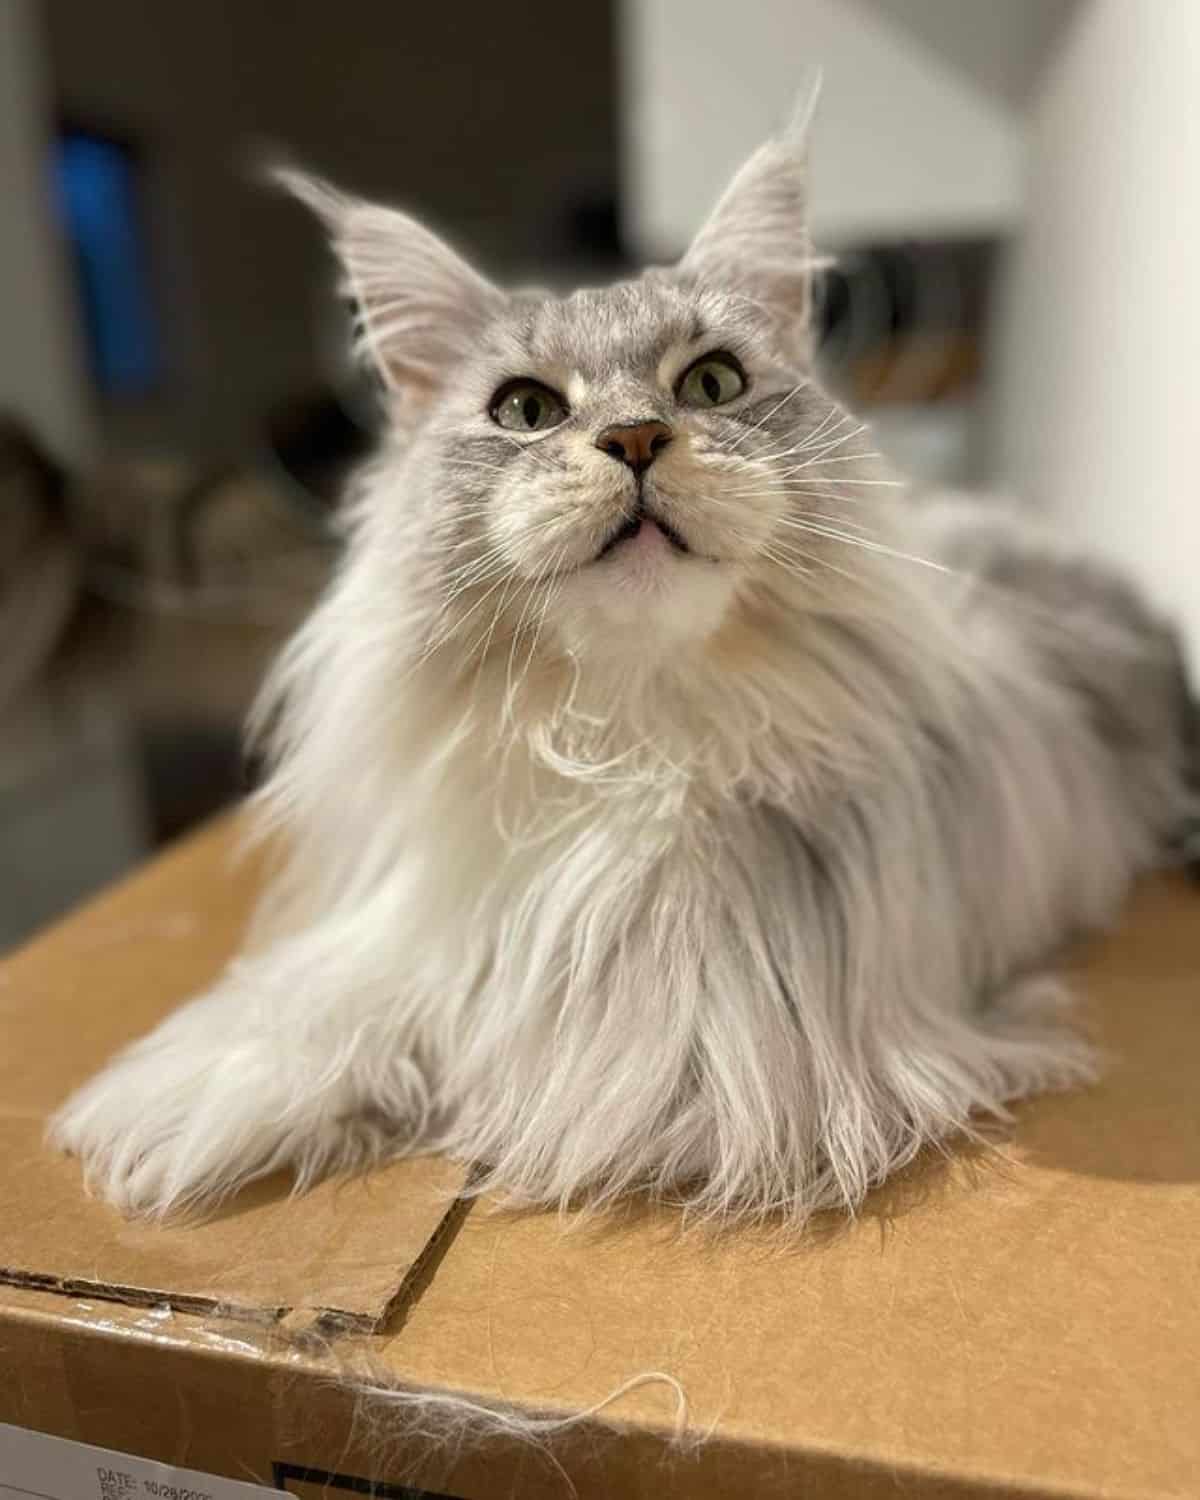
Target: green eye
point(527, 406)
point(711, 381)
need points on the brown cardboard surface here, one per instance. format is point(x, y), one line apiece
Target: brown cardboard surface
point(1029, 1321)
point(1022, 1324)
point(246, 1404)
point(82, 990)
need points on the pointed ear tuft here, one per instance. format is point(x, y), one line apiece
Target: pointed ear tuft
point(756, 241)
point(321, 197)
point(420, 304)
point(804, 111)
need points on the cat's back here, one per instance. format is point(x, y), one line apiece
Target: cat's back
point(1077, 618)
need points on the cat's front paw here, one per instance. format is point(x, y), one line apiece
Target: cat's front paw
point(171, 1123)
point(185, 1117)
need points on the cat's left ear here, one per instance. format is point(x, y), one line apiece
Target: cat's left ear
point(756, 241)
point(421, 305)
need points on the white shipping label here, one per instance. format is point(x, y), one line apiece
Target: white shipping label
point(36, 1467)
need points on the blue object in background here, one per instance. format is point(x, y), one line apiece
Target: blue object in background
point(96, 185)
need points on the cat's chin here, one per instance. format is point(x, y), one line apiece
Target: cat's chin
point(645, 595)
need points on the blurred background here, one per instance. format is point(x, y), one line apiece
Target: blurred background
point(1010, 191)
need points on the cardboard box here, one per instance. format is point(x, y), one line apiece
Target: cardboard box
point(1018, 1323)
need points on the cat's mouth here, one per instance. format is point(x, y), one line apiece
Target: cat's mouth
point(642, 529)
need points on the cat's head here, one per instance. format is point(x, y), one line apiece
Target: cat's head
point(616, 467)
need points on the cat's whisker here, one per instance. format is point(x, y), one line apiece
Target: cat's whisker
point(497, 550)
point(1005, 597)
point(479, 572)
point(826, 432)
point(868, 544)
point(750, 431)
point(823, 429)
point(471, 574)
point(844, 458)
point(454, 626)
point(516, 636)
point(475, 464)
point(881, 484)
point(543, 459)
point(819, 450)
point(834, 520)
point(814, 466)
point(484, 646)
point(783, 560)
point(548, 585)
point(843, 432)
point(553, 587)
point(793, 491)
point(818, 560)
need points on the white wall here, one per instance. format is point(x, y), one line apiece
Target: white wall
point(999, 45)
point(40, 370)
point(1100, 410)
point(906, 142)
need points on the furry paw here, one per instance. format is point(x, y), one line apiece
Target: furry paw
point(190, 1114)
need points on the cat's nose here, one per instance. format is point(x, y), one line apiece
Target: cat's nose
point(637, 445)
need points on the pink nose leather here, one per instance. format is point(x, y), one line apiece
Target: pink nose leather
point(637, 445)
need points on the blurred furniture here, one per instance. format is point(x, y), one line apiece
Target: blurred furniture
point(73, 812)
point(39, 559)
point(128, 683)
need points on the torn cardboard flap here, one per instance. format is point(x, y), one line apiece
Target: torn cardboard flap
point(94, 983)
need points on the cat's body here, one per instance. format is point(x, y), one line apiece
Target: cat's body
point(668, 803)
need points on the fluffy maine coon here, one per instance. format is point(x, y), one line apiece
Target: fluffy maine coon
point(668, 803)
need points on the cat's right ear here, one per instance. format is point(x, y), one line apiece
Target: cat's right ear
point(755, 242)
point(420, 304)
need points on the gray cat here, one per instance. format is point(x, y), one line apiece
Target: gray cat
point(669, 803)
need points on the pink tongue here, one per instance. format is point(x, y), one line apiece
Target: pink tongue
point(647, 535)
